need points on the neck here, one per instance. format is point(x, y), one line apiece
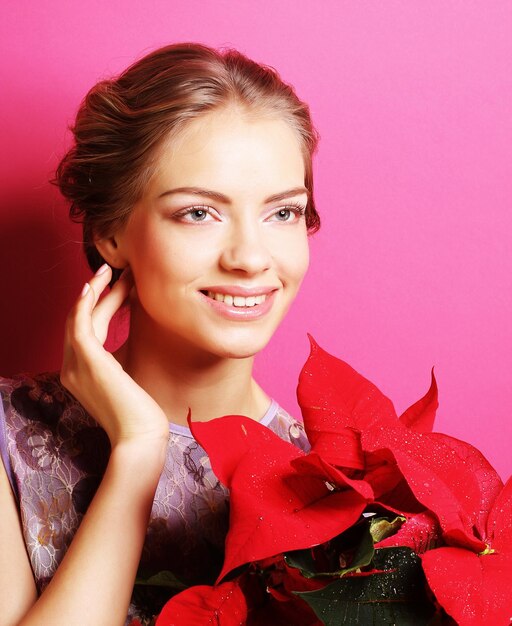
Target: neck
point(179, 376)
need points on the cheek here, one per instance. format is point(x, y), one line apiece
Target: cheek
point(293, 258)
point(304, 258)
point(162, 263)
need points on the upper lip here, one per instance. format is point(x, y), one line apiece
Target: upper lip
point(238, 290)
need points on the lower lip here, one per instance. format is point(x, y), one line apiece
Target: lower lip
point(241, 313)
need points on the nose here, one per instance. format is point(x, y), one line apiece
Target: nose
point(246, 250)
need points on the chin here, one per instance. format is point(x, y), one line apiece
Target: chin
point(240, 354)
point(241, 348)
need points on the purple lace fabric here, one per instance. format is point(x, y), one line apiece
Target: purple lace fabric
point(55, 455)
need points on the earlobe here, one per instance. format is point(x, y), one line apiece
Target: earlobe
point(109, 250)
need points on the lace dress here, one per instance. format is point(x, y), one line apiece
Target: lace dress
point(55, 455)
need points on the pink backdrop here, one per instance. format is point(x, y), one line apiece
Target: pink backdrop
point(412, 267)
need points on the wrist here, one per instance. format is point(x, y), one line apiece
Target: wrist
point(142, 459)
point(139, 439)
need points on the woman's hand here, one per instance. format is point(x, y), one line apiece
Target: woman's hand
point(94, 582)
point(95, 377)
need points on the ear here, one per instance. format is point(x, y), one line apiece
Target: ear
point(109, 249)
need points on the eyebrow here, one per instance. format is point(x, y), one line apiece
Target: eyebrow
point(220, 197)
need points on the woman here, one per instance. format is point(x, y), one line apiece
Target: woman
point(192, 175)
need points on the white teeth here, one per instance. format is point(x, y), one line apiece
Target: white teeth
point(238, 301)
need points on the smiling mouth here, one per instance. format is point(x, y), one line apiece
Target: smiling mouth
point(237, 301)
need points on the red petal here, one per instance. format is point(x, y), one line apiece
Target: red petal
point(243, 434)
point(223, 605)
point(499, 524)
point(421, 415)
point(315, 466)
point(381, 472)
point(272, 560)
point(274, 507)
point(333, 398)
point(474, 590)
point(489, 482)
point(293, 580)
point(342, 449)
point(419, 533)
point(401, 500)
point(278, 594)
point(440, 478)
point(275, 613)
point(269, 517)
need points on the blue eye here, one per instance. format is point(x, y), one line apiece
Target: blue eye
point(194, 214)
point(290, 213)
point(198, 215)
point(283, 215)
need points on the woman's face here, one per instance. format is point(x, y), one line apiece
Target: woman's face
point(218, 264)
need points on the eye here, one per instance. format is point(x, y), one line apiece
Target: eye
point(289, 213)
point(194, 214)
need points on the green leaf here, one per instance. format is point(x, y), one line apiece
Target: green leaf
point(162, 579)
point(303, 559)
point(381, 528)
point(393, 595)
point(362, 557)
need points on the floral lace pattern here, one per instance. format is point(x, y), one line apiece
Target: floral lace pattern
point(57, 454)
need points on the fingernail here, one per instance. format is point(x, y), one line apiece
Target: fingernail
point(85, 289)
point(102, 269)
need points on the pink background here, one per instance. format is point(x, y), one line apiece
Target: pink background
point(412, 267)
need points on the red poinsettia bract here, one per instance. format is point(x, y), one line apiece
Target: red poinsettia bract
point(280, 498)
point(363, 457)
point(474, 588)
point(222, 604)
point(449, 478)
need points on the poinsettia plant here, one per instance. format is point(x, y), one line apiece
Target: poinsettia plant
point(381, 522)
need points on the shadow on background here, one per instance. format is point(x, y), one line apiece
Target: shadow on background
point(42, 267)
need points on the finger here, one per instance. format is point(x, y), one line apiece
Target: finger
point(79, 323)
point(99, 282)
point(80, 319)
point(109, 304)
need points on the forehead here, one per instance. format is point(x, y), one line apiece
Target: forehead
point(231, 149)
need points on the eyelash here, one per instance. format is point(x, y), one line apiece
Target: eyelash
point(296, 208)
point(192, 209)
